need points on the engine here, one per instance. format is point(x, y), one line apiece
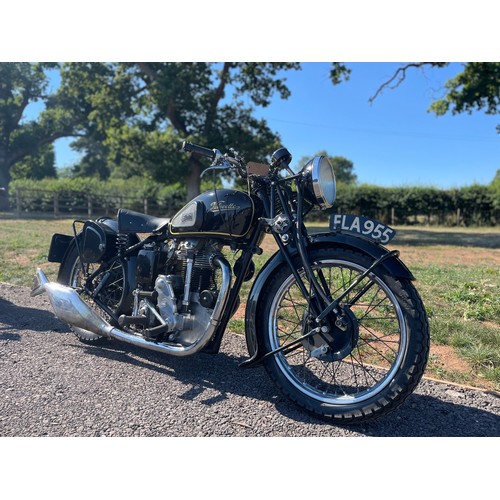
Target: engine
point(177, 289)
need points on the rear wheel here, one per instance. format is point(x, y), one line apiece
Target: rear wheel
point(366, 360)
point(111, 295)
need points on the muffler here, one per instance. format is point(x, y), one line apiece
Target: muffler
point(70, 308)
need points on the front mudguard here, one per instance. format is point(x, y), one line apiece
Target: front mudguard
point(393, 266)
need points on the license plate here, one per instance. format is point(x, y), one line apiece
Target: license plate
point(362, 226)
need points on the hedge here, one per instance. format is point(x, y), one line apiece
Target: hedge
point(470, 205)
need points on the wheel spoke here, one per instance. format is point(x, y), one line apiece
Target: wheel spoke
point(365, 371)
point(112, 293)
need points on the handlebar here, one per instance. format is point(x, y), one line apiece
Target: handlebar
point(219, 161)
point(252, 169)
point(199, 150)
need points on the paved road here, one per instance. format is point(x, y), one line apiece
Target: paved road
point(53, 385)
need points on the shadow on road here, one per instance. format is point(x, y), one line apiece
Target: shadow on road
point(419, 416)
point(428, 416)
point(14, 317)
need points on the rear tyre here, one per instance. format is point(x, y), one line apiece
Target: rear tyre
point(112, 294)
point(369, 362)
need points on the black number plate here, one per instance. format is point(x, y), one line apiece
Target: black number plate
point(362, 226)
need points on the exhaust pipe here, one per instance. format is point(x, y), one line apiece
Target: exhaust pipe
point(70, 308)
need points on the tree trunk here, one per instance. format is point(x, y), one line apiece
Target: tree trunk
point(4, 181)
point(193, 179)
point(4, 169)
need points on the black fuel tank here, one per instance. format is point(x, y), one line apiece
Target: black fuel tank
point(221, 212)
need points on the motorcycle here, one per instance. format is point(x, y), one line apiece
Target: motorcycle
point(333, 317)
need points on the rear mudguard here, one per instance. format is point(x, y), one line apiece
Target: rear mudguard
point(62, 245)
point(394, 266)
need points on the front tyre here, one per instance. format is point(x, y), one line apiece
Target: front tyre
point(368, 362)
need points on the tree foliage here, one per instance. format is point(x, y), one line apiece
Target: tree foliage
point(135, 115)
point(495, 190)
point(476, 88)
point(21, 84)
point(204, 103)
point(339, 72)
point(130, 118)
point(38, 166)
point(344, 169)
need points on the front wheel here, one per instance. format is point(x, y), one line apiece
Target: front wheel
point(368, 358)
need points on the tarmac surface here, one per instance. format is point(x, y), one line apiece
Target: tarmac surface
point(53, 385)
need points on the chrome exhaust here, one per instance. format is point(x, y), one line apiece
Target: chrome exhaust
point(70, 308)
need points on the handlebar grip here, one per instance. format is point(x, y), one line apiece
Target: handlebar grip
point(199, 150)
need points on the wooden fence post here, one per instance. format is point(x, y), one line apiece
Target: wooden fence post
point(56, 204)
point(18, 202)
point(89, 205)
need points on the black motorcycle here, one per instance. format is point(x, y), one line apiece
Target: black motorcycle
point(334, 317)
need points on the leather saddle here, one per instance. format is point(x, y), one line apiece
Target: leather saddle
point(135, 222)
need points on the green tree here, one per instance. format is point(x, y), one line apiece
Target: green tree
point(139, 113)
point(212, 104)
point(99, 98)
point(130, 118)
point(477, 87)
point(94, 160)
point(495, 190)
point(344, 169)
point(476, 204)
point(39, 165)
point(22, 84)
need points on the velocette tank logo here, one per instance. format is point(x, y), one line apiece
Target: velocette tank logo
point(223, 206)
point(187, 217)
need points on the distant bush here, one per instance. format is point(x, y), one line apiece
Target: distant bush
point(471, 205)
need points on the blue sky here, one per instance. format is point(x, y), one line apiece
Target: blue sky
point(393, 141)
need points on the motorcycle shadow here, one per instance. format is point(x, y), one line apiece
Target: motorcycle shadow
point(14, 317)
point(200, 373)
point(421, 415)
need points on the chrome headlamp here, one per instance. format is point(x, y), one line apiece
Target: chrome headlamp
point(320, 186)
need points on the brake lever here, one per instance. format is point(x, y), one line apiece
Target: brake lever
point(223, 162)
point(225, 167)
